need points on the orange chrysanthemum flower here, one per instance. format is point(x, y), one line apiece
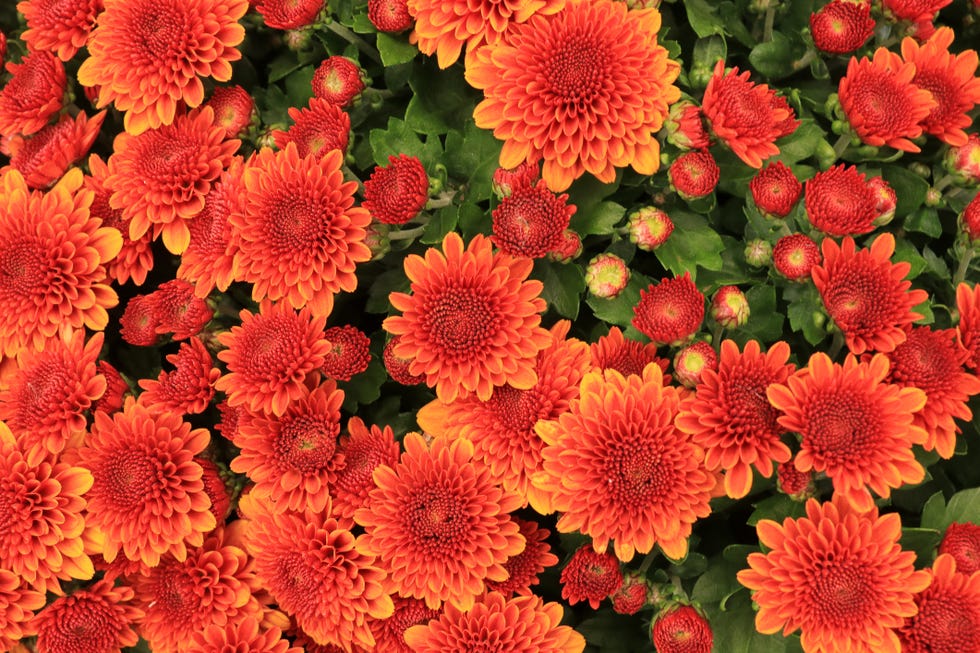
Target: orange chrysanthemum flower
point(586, 89)
point(524, 568)
point(179, 310)
point(531, 221)
point(638, 480)
point(931, 361)
point(882, 104)
point(502, 428)
point(866, 294)
point(43, 400)
point(317, 129)
point(148, 498)
point(682, 629)
point(17, 606)
point(148, 56)
point(58, 26)
point(160, 178)
point(300, 235)
point(311, 567)
point(613, 351)
point(44, 538)
point(98, 619)
point(968, 329)
point(363, 450)
point(949, 612)
point(349, 353)
point(746, 117)
point(53, 253)
point(855, 427)
point(732, 419)
point(591, 576)
point(439, 524)
point(472, 320)
point(244, 635)
point(189, 387)
point(293, 458)
point(44, 157)
point(34, 93)
point(837, 576)
point(389, 633)
point(524, 624)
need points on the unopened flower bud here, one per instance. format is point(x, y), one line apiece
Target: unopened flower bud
point(568, 248)
point(887, 200)
point(791, 481)
point(376, 238)
point(758, 253)
point(775, 190)
point(682, 629)
point(795, 255)
point(505, 181)
point(649, 228)
point(964, 162)
point(632, 596)
point(607, 275)
point(694, 174)
point(298, 39)
point(729, 307)
point(934, 197)
point(692, 361)
point(338, 80)
point(970, 221)
point(685, 126)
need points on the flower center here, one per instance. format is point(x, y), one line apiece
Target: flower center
point(22, 268)
point(842, 591)
point(636, 474)
point(158, 31)
point(437, 519)
point(307, 443)
point(575, 72)
point(88, 625)
point(516, 410)
point(295, 222)
point(130, 477)
point(461, 321)
point(840, 427)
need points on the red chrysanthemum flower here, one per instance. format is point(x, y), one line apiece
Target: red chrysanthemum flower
point(842, 26)
point(17, 606)
point(855, 427)
point(138, 323)
point(188, 389)
point(881, 102)
point(312, 568)
point(968, 329)
point(53, 254)
point(793, 482)
point(116, 388)
point(349, 352)
point(438, 523)
point(363, 450)
point(244, 635)
point(289, 14)
point(590, 576)
point(558, 88)
point(613, 351)
point(397, 193)
point(730, 417)
point(397, 367)
point(338, 80)
point(270, 356)
point(472, 320)
point(35, 92)
point(148, 498)
point(682, 629)
point(179, 310)
point(632, 596)
point(839, 577)
point(524, 568)
point(969, 221)
point(670, 312)
point(745, 116)
point(215, 488)
point(390, 15)
point(795, 255)
point(98, 619)
point(694, 174)
point(44, 157)
point(915, 11)
point(389, 633)
point(865, 294)
point(160, 178)
point(524, 624)
point(300, 235)
point(931, 361)
point(531, 220)
point(45, 537)
point(952, 81)
point(317, 129)
point(691, 363)
point(638, 479)
point(59, 26)
point(685, 126)
point(135, 259)
point(44, 399)
point(949, 612)
point(149, 56)
point(293, 458)
point(841, 202)
point(775, 190)
point(962, 542)
point(234, 109)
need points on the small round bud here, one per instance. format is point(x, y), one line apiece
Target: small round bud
point(569, 247)
point(758, 253)
point(964, 162)
point(887, 200)
point(632, 596)
point(692, 361)
point(298, 39)
point(920, 169)
point(791, 481)
point(729, 307)
point(934, 197)
point(775, 190)
point(649, 228)
point(390, 16)
point(970, 220)
point(337, 80)
point(694, 174)
point(685, 126)
point(795, 255)
point(607, 275)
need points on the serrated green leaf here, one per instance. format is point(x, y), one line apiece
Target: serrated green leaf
point(910, 189)
point(734, 632)
point(364, 388)
point(702, 18)
point(906, 251)
point(765, 323)
point(563, 286)
point(299, 86)
point(804, 307)
point(775, 58)
point(442, 101)
point(442, 222)
point(692, 243)
point(473, 220)
point(924, 220)
point(384, 284)
point(395, 50)
point(619, 310)
point(802, 143)
point(777, 508)
point(597, 219)
point(921, 540)
point(471, 156)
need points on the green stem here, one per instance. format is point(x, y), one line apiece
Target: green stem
point(444, 198)
point(943, 182)
point(805, 60)
point(406, 234)
point(837, 344)
point(770, 22)
point(963, 267)
point(843, 142)
point(345, 33)
point(647, 561)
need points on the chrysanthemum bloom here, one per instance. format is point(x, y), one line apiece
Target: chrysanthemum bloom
point(349, 352)
point(317, 129)
point(691, 362)
point(931, 361)
point(397, 193)
point(397, 367)
point(160, 178)
point(180, 311)
point(189, 387)
point(289, 14)
point(557, 88)
point(638, 480)
point(17, 606)
point(968, 329)
point(390, 15)
point(312, 568)
point(839, 577)
point(881, 102)
point(865, 294)
point(148, 498)
point(793, 482)
point(44, 539)
point(795, 255)
point(389, 633)
point(524, 568)
point(745, 116)
point(632, 596)
point(363, 450)
point(569, 248)
point(650, 228)
point(244, 635)
point(949, 612)
point(439, 524)
point(731, 418)
point(44, 398)
point(149, 56)
point(840, 202)
point(694, 174)
point(842, 26)
point(962, 542)
point(472, 321)
point(606, 275)
point(502, 428)
point(98, 619)
point(685, 126)
point(53, 253)
point(670, 312)
point(730, 307)
point(613, 351)
point(855, 427)
point(591, 576)
point(530, 221)
point(138, 323)
point(44, 157)
point(524, 624)
point(301, 236)
point(293, 458)
point(234, 109)
point(270, 356)
point(682, 629)
point(58, 26)
point(135, 259)
point(116, 388)
point(34, 93)
point(775, 190)
point(338, 80)
point(952, 81)
point(914, 10)
point(505, 181)
point(215, 488)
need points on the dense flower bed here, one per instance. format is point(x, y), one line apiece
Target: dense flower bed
point(534, 326)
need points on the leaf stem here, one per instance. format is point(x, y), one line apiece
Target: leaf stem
point(963, 267)
point(843, 142)
point(837, 344)
point(647, 561)
point(345, 33)
point(406, 234)
point(770, 22)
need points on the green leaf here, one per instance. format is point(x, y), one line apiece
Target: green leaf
point(701, 16)
point(472, 155)
point(933, 512)
point(709, 50)
point(921, 540)
point(719, 582)
point(443, 100)
point(775, 58)
point(399, 138)
point(694, 565)
point(597, 219)
point(364, 388)
point(765, 323)
point(805, 312)
point(282, 65)
point(910, 189)
point(734, 632)
point(619, 311)
point(442, 223)
point(614, 633)
point(802, 143)
point(395, 50)
point(963, 507)
point(473, 220)
point(386, 283)
point(924, 220)
point(777, 508)
point(563, 285)
point(692, 243)
point(906, 251)
point(299, 86)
